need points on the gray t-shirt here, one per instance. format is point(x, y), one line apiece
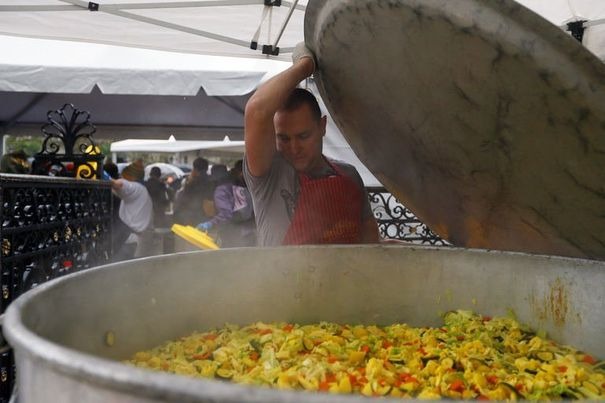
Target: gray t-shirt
point(274, 197)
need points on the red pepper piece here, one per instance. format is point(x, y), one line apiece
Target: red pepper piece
point(204, 356)
point(457, 386)
point(589, 359)
point(493, 379)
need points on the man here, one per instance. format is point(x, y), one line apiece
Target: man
point(136, 209)
point(299, 195)
point(194, 203)
point(233, 223)
point(160, 200)
point(120, 231)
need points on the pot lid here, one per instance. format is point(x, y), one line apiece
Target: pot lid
point(481, 117)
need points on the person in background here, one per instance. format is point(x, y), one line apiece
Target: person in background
point(159, 197)
point(111, 170)
point(237, 173)
point(194, 201)
point(223, 205)
point(299, 195)
point(15, 163)
point(225, 223)
point(243, 211)
point(136, 209)
point(120, 231)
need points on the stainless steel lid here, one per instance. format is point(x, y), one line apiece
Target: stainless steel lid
point(484, 119)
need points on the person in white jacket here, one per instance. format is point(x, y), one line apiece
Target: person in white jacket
point(136, 209)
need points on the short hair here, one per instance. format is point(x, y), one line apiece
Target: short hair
point(134, 171)
point(299, 97)
point(218, 173)
point(200, 164)
point(112, 170)
point(238, 166)
point(156, 172)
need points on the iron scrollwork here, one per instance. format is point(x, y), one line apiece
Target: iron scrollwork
point(68, 148)
point(51, 227)
point(397, 222)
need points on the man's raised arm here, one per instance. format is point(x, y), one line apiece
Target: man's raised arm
point(259, 132)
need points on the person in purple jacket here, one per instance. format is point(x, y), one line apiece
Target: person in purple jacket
point(223, 224)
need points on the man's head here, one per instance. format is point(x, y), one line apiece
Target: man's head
point(155, 172)
point(112, 170)
point(299, 128)
point(237, 172)
point(134, 172)
point(238, 168)
point(200, 166)
point(218, 172)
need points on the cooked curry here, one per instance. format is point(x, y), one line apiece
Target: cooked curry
point(469, 357)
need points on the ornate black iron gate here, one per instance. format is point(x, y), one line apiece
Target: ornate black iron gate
point(49, 227)
point(396, 222)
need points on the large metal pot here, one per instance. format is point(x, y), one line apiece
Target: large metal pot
point(70, 334)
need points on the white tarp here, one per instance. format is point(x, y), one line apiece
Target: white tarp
point(40, 65)
point(561, 12)
point(173, 145)
point(209, 27)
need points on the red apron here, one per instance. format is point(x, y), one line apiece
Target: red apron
point(328, 210)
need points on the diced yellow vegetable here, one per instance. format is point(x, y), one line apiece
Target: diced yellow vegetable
point(355, 357)
point(359, 332)
point(344, 386)
point(367, 390)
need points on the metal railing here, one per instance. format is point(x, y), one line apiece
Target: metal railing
point(396, 222)
point(69, 149)
point(49, 227)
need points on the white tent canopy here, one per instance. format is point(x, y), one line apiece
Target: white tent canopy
point(219, 27)
point(209, 27)
point(40, 65)
point(562, 12)
point(173, 145)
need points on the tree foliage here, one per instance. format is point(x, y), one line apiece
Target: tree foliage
point(32, 145)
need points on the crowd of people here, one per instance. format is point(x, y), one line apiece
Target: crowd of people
point(213, 202)
point(213, 199)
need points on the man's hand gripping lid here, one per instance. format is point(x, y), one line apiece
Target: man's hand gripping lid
point(300, 52)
